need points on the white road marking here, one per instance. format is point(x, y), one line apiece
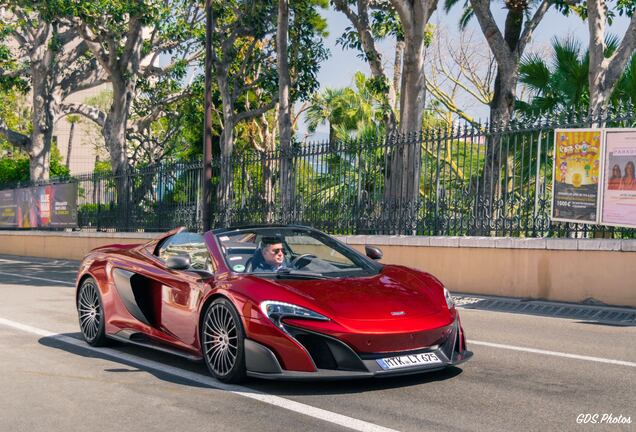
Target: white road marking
point(553, 353)
point(4, 260)
point(297, 407)
point(37, 278)
point(55, 263)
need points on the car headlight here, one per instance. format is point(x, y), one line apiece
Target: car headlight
point(276, 311)
point(449, 299)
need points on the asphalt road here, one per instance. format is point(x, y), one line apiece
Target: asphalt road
point(529, 373)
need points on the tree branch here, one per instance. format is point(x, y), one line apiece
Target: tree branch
point(493, 35)
point(256, 112)
point(531, 25)
point(14, 138)
point(94, 46)
point(133, 37)
point(617, 61)
point(90, 112)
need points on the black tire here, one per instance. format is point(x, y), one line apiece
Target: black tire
point(90, 312)
point(222, 341)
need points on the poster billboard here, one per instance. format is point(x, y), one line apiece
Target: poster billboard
point(28, 207)
point(8, 209)
point(50, 206)
point(619, 185)
point(576, 174)
point(63, 205)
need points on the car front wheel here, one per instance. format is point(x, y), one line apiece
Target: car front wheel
point(90, 310)
point(222, 337)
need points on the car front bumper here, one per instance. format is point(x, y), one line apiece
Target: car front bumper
point(261, 362)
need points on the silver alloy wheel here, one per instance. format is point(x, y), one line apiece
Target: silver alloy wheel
point(220, 339)
point(90, 311)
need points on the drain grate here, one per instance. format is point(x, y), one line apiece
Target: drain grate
point(606, 314)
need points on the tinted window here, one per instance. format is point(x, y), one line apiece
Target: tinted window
point(187, 243)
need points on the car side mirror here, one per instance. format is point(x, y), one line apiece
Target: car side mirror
point(373, 252)
point(178, 262)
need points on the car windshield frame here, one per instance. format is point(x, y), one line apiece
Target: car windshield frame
point(364, 266)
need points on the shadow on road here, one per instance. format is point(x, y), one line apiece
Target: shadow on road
point(280, 388)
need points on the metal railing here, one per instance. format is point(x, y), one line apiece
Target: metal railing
point(473, 180)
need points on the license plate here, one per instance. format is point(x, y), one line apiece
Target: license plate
point(408, 361)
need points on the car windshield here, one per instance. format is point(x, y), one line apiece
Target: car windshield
point(292, 253)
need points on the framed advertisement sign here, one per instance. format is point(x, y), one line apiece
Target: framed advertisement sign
point(50, 206)
point(63, 205)
point(619, 185)
point(8, 209)
point(576, 174)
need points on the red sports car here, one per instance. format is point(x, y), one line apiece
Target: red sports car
point(278, 301)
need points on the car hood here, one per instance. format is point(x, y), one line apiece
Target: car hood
point(396, 293)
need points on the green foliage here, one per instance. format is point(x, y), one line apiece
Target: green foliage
point(57, 168)
point(350, 111)
point(9, 65)
point(307, 51)
point(16, 169)
point(384, 23)
point(15, 112)
point(102, 167)
point(561, 81)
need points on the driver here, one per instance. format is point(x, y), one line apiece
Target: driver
point(270, 257)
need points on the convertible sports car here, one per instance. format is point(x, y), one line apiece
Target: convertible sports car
point(321, 311)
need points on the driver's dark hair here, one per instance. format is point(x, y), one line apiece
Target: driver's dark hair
point(271, 240)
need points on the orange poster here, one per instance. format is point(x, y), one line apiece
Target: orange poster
point(577, 167)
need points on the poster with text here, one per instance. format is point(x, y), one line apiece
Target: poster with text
point(577, 170)
point(62, 200)
point(619, 186)
point(8, 209)
point(51, 206)
point(28, 203)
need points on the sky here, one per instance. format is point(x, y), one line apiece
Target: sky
point(339, 69)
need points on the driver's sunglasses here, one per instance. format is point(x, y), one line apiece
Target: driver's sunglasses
point(277, 251)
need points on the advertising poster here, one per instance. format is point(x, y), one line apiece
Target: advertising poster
point(8, 209)
point(51, 206)
point(62, 200)
point(28, 203)
point(577, 168)
point(619, 186)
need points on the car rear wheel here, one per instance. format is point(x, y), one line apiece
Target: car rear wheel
point(90, 310)
point(222, 337)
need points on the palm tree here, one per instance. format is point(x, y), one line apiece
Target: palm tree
point(324, 108)
point(349, 111)
point(560, 82)
point(73, 120)
point(626, 89)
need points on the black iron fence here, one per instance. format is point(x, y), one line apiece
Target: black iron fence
point(471, 180)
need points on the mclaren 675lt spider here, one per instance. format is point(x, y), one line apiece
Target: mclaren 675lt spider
point(276, 301)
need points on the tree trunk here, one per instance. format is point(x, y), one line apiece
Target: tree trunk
point(224, 188)
point(42, 115)
point(501, 110)
point(605, 72)
point(114, 130)
point(114, 133)
point(267, 134)
point(397, 72)
point(403, 176)
point(69, 146)
point(284, 115)
point(42, 132)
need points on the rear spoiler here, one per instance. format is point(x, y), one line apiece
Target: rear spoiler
point(134, 245)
